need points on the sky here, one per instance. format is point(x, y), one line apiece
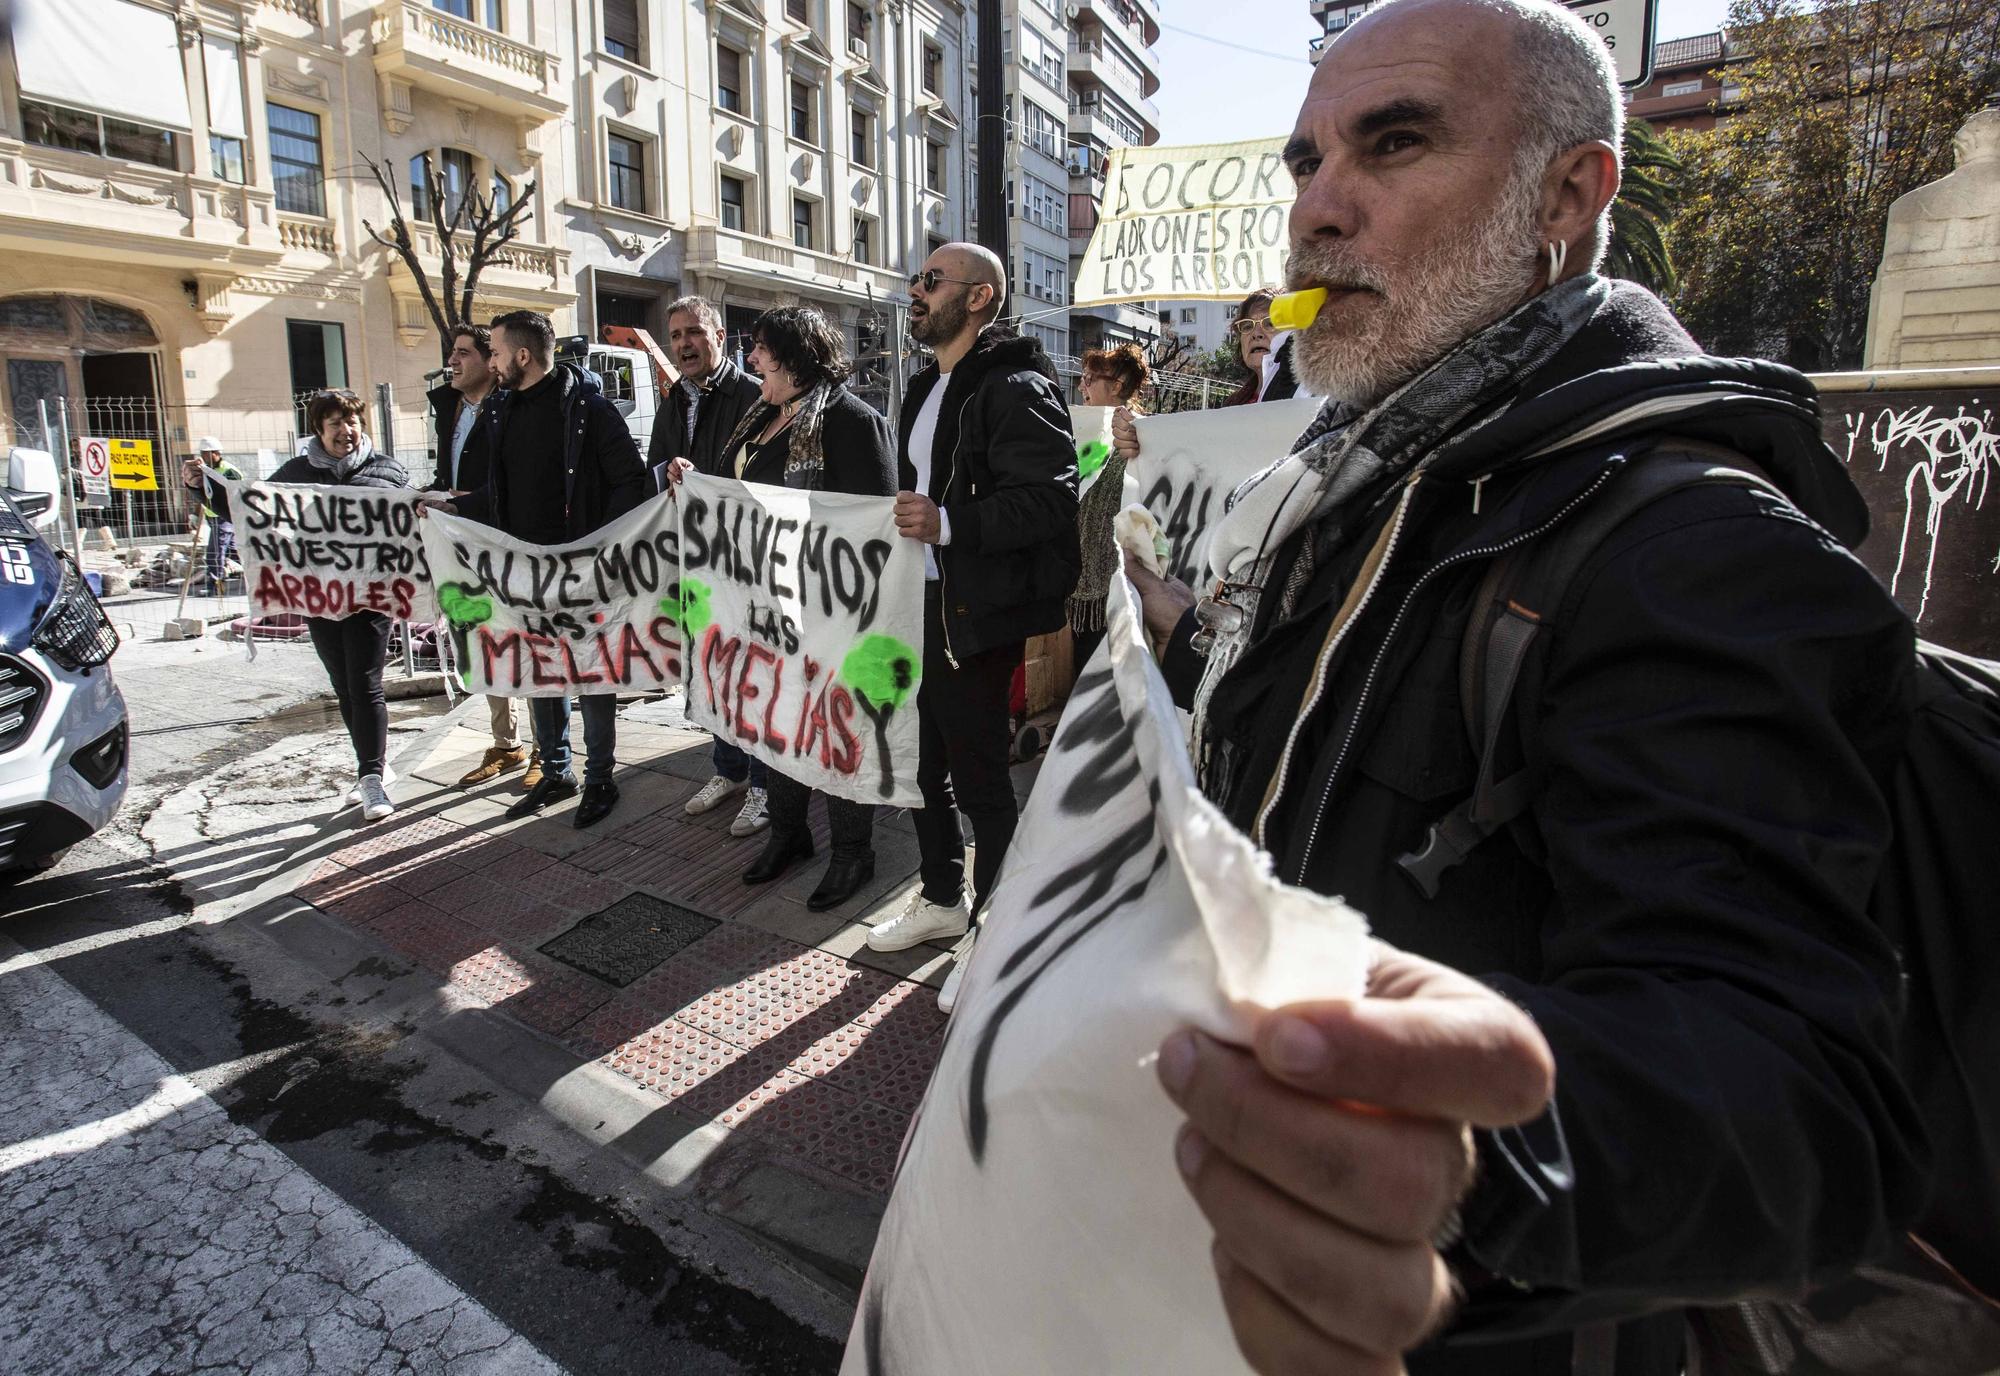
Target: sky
point(1238, 71)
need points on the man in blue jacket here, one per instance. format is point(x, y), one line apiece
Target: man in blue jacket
point(562, 465)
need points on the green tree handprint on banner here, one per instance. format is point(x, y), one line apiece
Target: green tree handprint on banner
point(462, 611)
point(883, 673)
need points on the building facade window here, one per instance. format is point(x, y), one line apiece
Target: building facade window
point(1681, 88)
point(728, 78)
point(732, 202)
point(225, 155)
point(488, 12)
point(864, 239)
point(1044, 277)
point(1042, 131)
point(933, 165)
point(859, 23)
point(798, 10)
point(622, 29)
point(804, 98)
point(627, 173)
point(56, 126)
point(1044, 204)
point(297, 160)
point(861, 138)
point(933, 69)
point(1042, 57)
point(318, 350)
point(802, 222)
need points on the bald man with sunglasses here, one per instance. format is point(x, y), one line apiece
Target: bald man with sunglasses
point(987, 467)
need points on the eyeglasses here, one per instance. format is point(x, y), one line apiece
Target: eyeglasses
point(1245, 326)
point(930, 277)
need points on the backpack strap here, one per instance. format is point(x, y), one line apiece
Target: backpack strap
point(1520, 592)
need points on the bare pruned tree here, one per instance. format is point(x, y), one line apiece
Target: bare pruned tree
point(486, 226)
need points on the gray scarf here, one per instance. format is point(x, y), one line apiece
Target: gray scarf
point(340, 470)
point(1346, 451)
point(805, 452)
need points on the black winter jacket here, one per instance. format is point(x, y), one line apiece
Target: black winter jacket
point(721, 408)
point(860, 458)
point(602, 476)
point(471, 475)
point(1003, 469)
point(1720, 704)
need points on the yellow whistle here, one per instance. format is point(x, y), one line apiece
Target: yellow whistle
point(1297, 309)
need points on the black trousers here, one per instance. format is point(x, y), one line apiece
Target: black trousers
point(352, 648)
point(853, 824)
point(962, 761)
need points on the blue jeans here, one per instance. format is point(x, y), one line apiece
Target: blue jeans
point(736, 764)
point(600, 735)
point(221, 539)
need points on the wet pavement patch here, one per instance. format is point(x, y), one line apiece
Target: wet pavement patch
point(629, 938)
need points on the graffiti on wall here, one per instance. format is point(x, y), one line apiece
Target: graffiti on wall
point(1924, 461)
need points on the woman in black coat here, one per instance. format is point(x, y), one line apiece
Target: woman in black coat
point(808, 431)
point(352, 647)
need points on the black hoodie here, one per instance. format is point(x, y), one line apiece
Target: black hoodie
point(1719, 705)
point(1003, 469)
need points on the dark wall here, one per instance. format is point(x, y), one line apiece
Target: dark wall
point(1924, 460)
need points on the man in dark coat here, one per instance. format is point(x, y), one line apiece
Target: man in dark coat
point(988, 468)
point(1673, 1084)
point(457, 409)
point(711, 398)
point(563, 465)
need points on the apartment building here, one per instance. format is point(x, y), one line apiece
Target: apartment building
point(185, 189)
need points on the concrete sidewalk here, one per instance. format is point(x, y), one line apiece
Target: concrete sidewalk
point(790, 1056)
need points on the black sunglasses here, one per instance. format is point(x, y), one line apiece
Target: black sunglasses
point(930, 277)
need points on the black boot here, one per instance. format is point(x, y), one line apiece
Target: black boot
point(598, 800)
point(553, 788)
point(780, 854)
point(842, 880)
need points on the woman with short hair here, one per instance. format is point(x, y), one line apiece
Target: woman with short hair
point(808, 431)
point(353, 648)
point(1111, 377)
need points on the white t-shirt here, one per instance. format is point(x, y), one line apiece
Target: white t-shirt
point(923, 438)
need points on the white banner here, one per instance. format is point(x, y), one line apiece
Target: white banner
point(535, 621)
point(804, 614)
point(1199, 222)
point(1190, 462)
point(1038, 1223)
point(1092, 427)
point(330, 551)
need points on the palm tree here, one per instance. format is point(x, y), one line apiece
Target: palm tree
point(1643, 209)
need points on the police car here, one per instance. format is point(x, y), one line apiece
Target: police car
point(63, 732)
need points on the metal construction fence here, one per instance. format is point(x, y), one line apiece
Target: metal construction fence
point(1165, 392)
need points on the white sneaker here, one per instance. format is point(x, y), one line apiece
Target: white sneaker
point(755, 816)
point(375, 804)
point(921, 920)
point(948, 995)
point(388, 781)
point(712, 792)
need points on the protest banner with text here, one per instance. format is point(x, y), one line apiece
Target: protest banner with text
point(804, 618)
point(330, 551)
point(1197, 222)
point(599, 615)
point(1190, 462)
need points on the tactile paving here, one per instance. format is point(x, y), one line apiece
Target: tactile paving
point(862, 1146)
point(671, 1058)
point(628, 939)
point(437, 941)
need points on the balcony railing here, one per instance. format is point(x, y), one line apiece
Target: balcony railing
point(1094, 57)
point(547, 265)
point(307, 10)
point(305, 236)
point(443, 53)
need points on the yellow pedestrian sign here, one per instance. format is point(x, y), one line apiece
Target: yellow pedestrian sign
point(132, 466)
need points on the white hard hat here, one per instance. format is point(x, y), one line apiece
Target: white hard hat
point(208, 444)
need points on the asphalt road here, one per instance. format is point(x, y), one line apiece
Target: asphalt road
point(216, 1157)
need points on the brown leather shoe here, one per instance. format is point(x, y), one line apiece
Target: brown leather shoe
point(496, 763)
point(534, 774)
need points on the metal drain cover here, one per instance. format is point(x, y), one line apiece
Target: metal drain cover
point(629, 938)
